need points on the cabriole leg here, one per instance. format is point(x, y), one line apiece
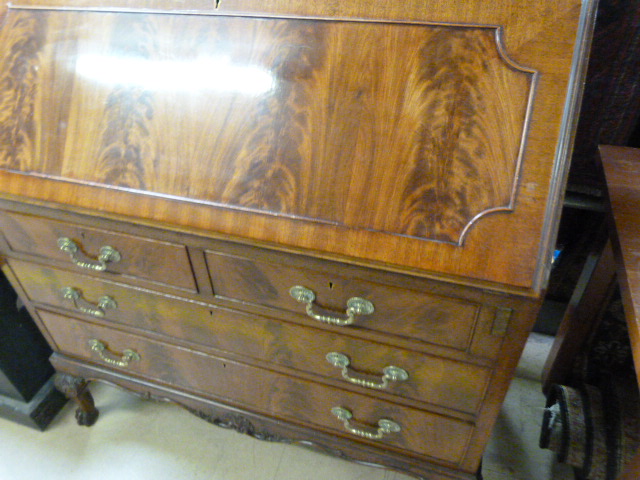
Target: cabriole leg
point(76, 389)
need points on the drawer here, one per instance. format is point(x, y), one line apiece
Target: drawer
point(143, 258)
point(289, 398)
point(399, 312)
point(433, 380)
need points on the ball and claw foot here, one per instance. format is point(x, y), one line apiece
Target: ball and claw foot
point(86, 419)
point(75, 388)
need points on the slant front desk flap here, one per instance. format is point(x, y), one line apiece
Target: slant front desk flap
point(424, 136)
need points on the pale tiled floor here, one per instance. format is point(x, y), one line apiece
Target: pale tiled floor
point(139, 440)
point(513, 453)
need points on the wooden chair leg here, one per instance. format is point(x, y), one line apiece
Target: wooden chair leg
point(589, 300)
point(76, 389)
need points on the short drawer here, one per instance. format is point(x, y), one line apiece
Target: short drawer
point(432, 380)
point(285, 397)
point(399, 312)
point(86, 249)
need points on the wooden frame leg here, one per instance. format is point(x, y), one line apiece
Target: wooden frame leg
point(76, 389)
point(592, 294)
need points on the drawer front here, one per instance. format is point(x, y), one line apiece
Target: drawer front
point(398, 312)
point(434, 380)
point(284, 397)
point(144, 258)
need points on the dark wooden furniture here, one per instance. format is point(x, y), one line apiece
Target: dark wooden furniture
point(614, 264)
point(27, 394)
point(610, 111)
point(319, 222)
point(622, 171)
point(609, 115)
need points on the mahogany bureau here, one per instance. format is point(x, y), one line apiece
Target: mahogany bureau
point(326, 223)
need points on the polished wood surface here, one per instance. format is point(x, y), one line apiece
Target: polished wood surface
point(454, 159)
point(410, 153)
point(466, 385)
point(398, 312)
point(436, 380)
point(622, 171)
point(163, 263)
point(283, 117)
point(263, 427)
point(424, 434)
point(330, 280)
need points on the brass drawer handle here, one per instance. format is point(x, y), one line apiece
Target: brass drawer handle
point(389, 374)
point(355, 306)
point(107, 254)
point(127, 357)
point(81, 304)
point(385, 426)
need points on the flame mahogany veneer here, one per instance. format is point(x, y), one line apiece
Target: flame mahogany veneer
point(412, 154)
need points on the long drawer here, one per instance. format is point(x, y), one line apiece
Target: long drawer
point(289, 398)
point(433, 380)
point(400, 312)
point(83, 248)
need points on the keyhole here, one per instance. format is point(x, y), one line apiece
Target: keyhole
point(218, 3)
point(330, 285)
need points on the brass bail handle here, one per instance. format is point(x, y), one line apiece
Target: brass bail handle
point(385, 426)
point(389, 373)
point(106, 255)
point(127, 357)
point(355, 306)
point(84, 306)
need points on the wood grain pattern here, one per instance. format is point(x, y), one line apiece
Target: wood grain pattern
point(369, 137)
point(438, 381)
point(330, 127)
point(424, 434)
point(466, 156)
point(498, 250)
point(267, 428)
point(622, 171)
point(448, 381)
point(415, 315)
point(18, 90)
point(141, 258)
point(126, 154)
